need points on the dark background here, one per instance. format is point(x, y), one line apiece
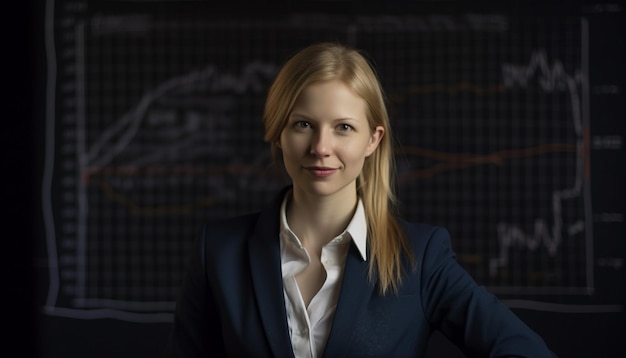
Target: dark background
point(32, 333)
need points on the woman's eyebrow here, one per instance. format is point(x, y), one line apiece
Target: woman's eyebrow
point(300, 115)
point(339, 119)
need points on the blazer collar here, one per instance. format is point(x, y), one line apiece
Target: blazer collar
point(356, 291)
point(357, 227)
point(264, 253)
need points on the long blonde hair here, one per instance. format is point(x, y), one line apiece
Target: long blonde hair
point(375, 185)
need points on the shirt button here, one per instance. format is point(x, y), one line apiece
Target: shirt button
point(329, 262)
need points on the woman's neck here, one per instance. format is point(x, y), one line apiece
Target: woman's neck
point(318, 219)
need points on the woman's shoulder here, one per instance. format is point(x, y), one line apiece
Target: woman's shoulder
point(419, 230)
point(232, 221)
point(229, 227)
point(422, 235)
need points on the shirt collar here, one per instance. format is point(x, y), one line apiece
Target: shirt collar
point(356, 229)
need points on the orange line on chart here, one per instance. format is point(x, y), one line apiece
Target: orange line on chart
point(449, 161)
point(151, 211)
point(455, 161)
point(449, 89)
point(130, 170)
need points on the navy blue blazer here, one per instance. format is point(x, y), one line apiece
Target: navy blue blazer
point(232, 304)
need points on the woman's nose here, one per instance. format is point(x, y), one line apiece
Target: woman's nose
point(321, 144)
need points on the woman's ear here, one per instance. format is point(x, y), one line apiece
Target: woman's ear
point(375, 138)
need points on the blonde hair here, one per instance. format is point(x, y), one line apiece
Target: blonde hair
point(331, 61)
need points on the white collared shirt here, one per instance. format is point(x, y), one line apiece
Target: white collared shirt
point(310, 326)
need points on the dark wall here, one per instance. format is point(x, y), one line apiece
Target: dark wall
point(114, 298)
point(19, 176)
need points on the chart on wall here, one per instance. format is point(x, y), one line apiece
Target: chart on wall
point(153, 126)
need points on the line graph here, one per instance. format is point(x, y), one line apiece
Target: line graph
point(527, 236)
point(550, 79)
point(494, 145)
point(123, 131)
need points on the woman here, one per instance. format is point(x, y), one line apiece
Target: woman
point(328, 269)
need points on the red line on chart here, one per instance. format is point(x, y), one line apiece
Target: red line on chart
point(455, 161)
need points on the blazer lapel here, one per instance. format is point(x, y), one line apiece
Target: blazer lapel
point(356, 290)
point(264, 253)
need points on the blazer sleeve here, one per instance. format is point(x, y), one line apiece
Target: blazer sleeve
point(466, 313)
point(196, 331)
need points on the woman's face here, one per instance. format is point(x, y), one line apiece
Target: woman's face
point(326, 140)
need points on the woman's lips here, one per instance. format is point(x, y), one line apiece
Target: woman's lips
point(321, 172)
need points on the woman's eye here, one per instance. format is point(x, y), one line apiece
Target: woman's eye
point(344, 127)
point(302, 124)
